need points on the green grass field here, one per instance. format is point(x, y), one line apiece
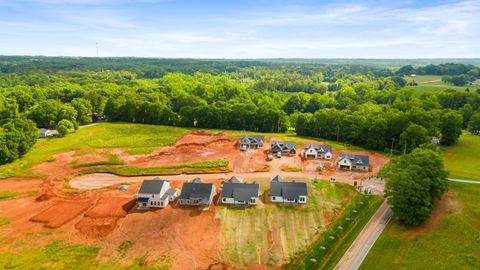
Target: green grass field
point(454, 243)
point(62, 255)
point(209, 166)
point(272, 234)
point(428, 83)
point(462, 160)
point(133, 138)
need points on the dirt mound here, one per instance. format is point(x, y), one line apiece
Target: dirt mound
point(200, 137)
point(102, 219)
point(111, 207)
point(61, 212)
point(97, 227)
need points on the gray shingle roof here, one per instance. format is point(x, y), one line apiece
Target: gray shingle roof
point(151, 186)
point(321, 148)
point(196, 190)
point(284, 146)
point(239, 191)
point(252, 139)
point(288, 190)
point(356, 159)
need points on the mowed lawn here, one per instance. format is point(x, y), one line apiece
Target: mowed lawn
point(273, 234)
point(462, 160)
point(453, 243)
point(133, 138)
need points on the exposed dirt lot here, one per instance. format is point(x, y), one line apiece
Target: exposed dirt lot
point(61, 212)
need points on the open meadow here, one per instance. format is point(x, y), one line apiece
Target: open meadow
point(462, 160)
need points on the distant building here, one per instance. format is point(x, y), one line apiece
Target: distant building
point(251, 142)
point(156, 193)
point(353, 162)
point(288, 192)
point(44, 133)
point(196, 193)
point(236, 192)
point(318, 151)
point(284, 148)
point(435, 141)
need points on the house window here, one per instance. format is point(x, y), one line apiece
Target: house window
point(153, 196)
point(273, 198)
point(224, 199)
point(252, 200)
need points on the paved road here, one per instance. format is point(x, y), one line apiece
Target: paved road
point(464, 181)
point(101, 180)
point(356, 253)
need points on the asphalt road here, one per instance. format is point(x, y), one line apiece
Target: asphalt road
point(356, 253)
point(464, 181)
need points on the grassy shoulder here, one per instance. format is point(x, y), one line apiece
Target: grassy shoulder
point(450, 243)
point(462, 160)
point(133, 138)
point(210, 166)
point(272, 234)
point(329, 249)
point(64, 255)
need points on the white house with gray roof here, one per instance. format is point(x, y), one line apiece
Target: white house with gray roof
point(318, 151)
point(288, 192)
point(251, 142)
point(196, 193)
point(155, 193)
point(236, 192)
point(353, 162)
point(285, 148)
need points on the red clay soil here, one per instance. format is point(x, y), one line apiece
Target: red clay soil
point(187, 235)
point(61, 212)
point(200, 146)
point(102, 219)
point(111, 207)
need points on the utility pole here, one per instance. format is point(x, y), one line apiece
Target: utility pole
point(338, 133)
point(96, 46)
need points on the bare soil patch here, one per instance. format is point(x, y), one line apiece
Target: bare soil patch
point(61, 212)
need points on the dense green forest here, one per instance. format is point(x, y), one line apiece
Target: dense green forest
point(362, 104)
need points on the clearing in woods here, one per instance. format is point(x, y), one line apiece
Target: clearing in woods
point(273, 234)
point(462, 160)
point(448, 240)
point(427, 83)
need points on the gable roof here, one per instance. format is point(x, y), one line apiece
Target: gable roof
point(320, 148)
point(251, 139)
point(288, 190)
point(285, 146)
point(196, 189)
point(277, 178)
point(151, 186)
point(240, 191)
point(356, 159)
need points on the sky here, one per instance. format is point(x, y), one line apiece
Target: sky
point(241, 28)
